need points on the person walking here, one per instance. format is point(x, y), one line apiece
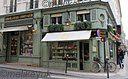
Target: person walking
point(120, 57)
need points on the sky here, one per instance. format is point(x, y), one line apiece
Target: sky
point(124, 10)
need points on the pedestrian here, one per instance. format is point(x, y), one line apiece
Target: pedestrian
point(120, 57)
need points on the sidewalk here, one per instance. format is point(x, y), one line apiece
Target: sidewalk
point(119, 73)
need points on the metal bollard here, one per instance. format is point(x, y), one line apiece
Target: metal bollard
point(107, 67)
point(66, 64)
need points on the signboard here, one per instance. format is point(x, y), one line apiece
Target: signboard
point(17, 17)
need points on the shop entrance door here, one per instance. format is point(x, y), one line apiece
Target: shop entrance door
point(12, 50)
point(84, 54)
point(81, 56)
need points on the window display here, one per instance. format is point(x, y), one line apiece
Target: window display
point(26, 43)
point(59, 50)
point(14, 43)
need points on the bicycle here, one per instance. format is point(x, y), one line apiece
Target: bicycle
point(97, 65)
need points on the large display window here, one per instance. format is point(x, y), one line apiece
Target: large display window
point(26, 43)
point(59, 50)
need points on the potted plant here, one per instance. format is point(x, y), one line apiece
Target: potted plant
point(55, 28)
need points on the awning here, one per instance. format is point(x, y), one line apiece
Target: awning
point(9, 29)
point(67, 36)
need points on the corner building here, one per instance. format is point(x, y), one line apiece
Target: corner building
point(60, 31)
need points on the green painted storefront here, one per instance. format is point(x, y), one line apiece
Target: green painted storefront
point(54, 52)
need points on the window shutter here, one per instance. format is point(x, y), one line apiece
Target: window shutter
point(93, 14)
point(73, 17)
point(64, 17)
point(46, 20)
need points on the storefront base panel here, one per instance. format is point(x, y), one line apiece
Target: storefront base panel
point(60, 65)
point(87, 66)
point(2, 59)
point(54, 64)
point(30, 61)
point(13, 59)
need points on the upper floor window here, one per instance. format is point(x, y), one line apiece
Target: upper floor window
point(34, 4)
point(57, 2)
point(11, 5)
point(56, 19)
point(83, 15)
point(31, 4)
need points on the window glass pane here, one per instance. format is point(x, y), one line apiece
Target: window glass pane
point(86, 51)
point(87, 16)
point(80, 17)
point(26, 42)
point(53, 19)
point(60, 20)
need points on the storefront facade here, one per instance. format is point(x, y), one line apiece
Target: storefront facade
point(81, 52)
point(48, 36)
point(21, 37)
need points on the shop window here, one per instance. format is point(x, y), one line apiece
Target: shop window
point(59, 50)
point(26, 42)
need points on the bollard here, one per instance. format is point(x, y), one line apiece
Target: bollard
point(66, 63)
point(107, 68)
point(66, 66)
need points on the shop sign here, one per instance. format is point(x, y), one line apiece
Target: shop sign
point(17, 17)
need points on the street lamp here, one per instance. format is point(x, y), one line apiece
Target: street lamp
point(68, 22)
